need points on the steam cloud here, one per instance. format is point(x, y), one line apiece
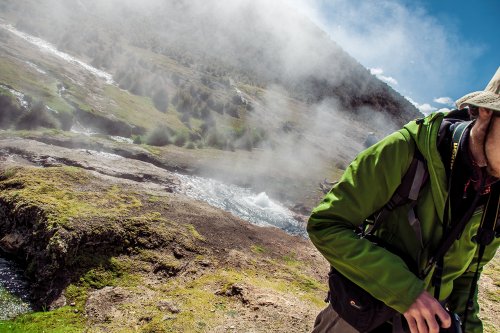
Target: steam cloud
point(273, 39)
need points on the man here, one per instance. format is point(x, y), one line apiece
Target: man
point(369, 183)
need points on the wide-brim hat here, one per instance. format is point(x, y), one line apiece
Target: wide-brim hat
point(489, 98)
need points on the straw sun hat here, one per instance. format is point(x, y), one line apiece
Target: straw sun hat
point(489, 98)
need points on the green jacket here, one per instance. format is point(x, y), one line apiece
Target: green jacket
point(366, 186)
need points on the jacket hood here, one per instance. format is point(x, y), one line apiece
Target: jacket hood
point(425, 132)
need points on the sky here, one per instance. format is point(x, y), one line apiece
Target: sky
point(431, 51)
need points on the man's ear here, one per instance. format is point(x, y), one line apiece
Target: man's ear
point(485, 114)
point(478, 136)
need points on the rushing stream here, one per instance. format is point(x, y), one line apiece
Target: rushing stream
point(258, 209)
point(13, 290)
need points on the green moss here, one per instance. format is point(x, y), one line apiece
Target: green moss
point(256, 248)
point(153, 150)
point(156, 325)
point(8, 173)
point(212, 308)
point(62, 320)
point(493, 295)
point(113, 272)
point(162, 262)
point(195, 233)
point(77, 294)
point(65, 194)
point(154, 198)
point(291, 259)
point(99, 278)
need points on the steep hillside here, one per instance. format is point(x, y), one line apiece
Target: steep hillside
point(206, 64)
point(252, 78)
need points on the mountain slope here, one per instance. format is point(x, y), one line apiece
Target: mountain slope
point(199, 51)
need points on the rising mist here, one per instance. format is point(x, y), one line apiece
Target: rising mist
point(304, 104)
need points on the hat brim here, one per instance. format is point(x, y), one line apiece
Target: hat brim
point(484, 99)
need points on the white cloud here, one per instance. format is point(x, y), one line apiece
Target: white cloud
point(444, 110)
point(378, 72)
point(425, 108)
point(425, 54)
point(445, 101)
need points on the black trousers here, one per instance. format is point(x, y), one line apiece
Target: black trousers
point(328, 321)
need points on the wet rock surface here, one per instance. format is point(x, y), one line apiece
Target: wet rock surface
point(114, 165)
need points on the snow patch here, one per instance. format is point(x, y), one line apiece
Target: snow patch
point(48, 47)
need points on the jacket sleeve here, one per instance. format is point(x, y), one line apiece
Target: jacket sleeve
point(457, 300)
point(367, 184)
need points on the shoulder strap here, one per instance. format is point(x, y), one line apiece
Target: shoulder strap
point(484, 237)
point(458, 134)
point(449, 236)
point(411, 183)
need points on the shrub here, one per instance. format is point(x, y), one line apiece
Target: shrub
point(232, 110)
point(204, 112)
point(204, 94)
point(229, 146)
point(160, 100)
point(218, 107)
point(66, 120)
point(180, 139)
point(137, 139)
point(185, 119)
point(38, 116)
point(9, 110)
point(160, 136)
point(215, 139)
point(245, 143)
point(194, 136)
point(184, 102)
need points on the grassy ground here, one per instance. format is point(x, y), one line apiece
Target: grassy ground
point(489, 295)
point(162, 263)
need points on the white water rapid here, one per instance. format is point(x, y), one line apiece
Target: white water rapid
point(258, 209)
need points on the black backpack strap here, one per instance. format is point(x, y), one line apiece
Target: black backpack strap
point(411, 183)
point(451, 230)
point(485, 235)
point(450, 234)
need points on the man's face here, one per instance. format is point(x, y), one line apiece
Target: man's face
point(492, 147)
